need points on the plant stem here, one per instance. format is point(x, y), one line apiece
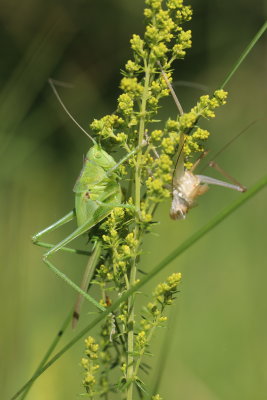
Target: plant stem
point(130, 340)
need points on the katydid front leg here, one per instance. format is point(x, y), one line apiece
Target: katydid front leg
point(64, 220)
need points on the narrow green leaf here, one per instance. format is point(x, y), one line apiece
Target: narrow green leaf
point(244, 54)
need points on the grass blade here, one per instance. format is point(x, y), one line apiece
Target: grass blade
point(50, 350)
point(244, 54)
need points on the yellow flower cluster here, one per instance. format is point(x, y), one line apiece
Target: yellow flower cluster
point(88, 363)
point(184, 14)
point(119, 241)
point(184, 42)
point(153, 314)
point(159, 88)
point(164, 291)
point(204, 108)
point(131, 85)
point(132, 67)
point(91, 347)
point(145, 216)
point(138, 45)
point(187, 123)
point(141, 340)
point(125, 103)
point(156, 190)
point(157, 397)
point(163, 26)
point(107, 126)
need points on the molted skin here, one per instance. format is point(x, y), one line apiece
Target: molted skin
point(184, 194)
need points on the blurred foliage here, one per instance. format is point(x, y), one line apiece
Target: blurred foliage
point(219, 343)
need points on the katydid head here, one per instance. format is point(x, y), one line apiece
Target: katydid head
point(179, 206)
point(100, 157)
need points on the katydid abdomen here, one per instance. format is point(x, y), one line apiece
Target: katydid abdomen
point(93, 204)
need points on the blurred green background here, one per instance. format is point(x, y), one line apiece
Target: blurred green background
point(219, 338)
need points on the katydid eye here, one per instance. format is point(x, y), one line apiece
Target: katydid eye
point(98, 154)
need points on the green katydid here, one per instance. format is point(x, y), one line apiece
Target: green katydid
point(97, 193)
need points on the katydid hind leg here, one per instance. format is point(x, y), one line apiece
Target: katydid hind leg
point(87, 277)
point(73, 284)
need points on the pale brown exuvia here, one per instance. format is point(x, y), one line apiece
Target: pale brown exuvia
point(186, 187)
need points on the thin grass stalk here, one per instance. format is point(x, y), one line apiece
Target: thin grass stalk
point(50, 349)
point(244, 54)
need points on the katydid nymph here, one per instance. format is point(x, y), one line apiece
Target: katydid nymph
point(186, 186)
point(97, 193)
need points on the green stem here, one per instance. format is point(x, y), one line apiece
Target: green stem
point(130, 338)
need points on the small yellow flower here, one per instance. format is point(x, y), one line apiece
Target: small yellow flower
point(138, 45)
point(157, 397)
point(121, 137)
point(84, 362)
point(154, 4)
point(156, 134)
point(163, 319)
point(159, 50)
point(141, 339)
point(132, 66)
point(148, 13)
point(126, 249)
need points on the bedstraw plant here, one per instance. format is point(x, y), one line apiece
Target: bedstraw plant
point(146, 180)
point(152, 149)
